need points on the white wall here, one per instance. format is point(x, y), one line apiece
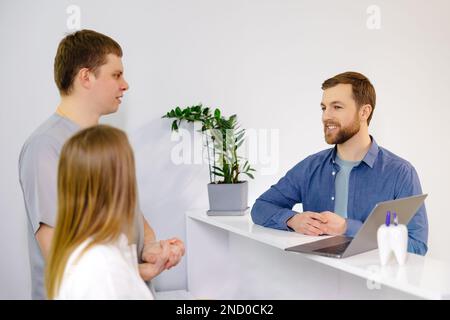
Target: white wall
point(264, 60)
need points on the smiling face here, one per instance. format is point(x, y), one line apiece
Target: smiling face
point(108, 85)
point(340, 117)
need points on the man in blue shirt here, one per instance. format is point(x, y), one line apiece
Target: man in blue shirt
point(339, 187)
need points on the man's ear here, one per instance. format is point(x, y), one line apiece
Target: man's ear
point(365, 112)
point(85, 77)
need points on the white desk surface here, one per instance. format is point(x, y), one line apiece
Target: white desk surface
point(421, 276)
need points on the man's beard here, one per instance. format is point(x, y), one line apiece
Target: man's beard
point(343, 134)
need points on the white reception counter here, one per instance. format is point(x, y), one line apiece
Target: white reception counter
point(232, 258)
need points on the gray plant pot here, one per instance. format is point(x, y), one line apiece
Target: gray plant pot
point(228, 198)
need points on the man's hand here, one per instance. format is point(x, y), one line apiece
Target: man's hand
point(158, 255)
point(153, 252)
point(176, 252)
point(155, 256)
point(308, 222)
point(335, 225)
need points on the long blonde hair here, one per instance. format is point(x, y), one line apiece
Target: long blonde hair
point(96, 196)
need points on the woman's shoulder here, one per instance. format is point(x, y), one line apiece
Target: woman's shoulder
point(103, 271)
point(98, 255)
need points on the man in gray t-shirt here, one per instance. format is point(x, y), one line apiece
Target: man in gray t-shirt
point(38, 165)
point(89, 75)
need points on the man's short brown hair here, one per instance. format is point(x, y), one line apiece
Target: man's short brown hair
point(81, 49)
point(363, 90)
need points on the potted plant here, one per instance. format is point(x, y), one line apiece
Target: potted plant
point(226, 192)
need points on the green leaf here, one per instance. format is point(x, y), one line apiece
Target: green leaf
point(217, 168)
point(217, 114)
point(249, 174)
point(238, 132)
point(178, 112)
point(174, 125)
point(239, 136)
point(239, 143)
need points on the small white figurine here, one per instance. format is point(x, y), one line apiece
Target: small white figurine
point(392, 238)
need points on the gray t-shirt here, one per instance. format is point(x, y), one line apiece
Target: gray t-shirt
point(38, 169)
point(341, 185)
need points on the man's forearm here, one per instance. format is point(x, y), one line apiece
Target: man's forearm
point(148, 271)
point(417, 247)
point(271, 215)
point(44, 237)
point(149, 234)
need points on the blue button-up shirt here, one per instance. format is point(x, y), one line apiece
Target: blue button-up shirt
point(380, 176)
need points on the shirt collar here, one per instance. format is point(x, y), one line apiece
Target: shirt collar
point(69, 122)
point(368, 159)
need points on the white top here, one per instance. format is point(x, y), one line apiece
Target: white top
point(105, 271)
point(425, 277)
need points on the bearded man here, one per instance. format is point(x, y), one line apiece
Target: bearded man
point(339, 187)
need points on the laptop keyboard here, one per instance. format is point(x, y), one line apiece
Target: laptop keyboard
point(337, 249)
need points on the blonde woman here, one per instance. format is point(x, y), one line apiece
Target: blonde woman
point(91, 255)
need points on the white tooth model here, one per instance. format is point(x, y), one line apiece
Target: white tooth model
point(392, 238)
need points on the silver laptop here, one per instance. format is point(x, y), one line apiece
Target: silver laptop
point(366, 238)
